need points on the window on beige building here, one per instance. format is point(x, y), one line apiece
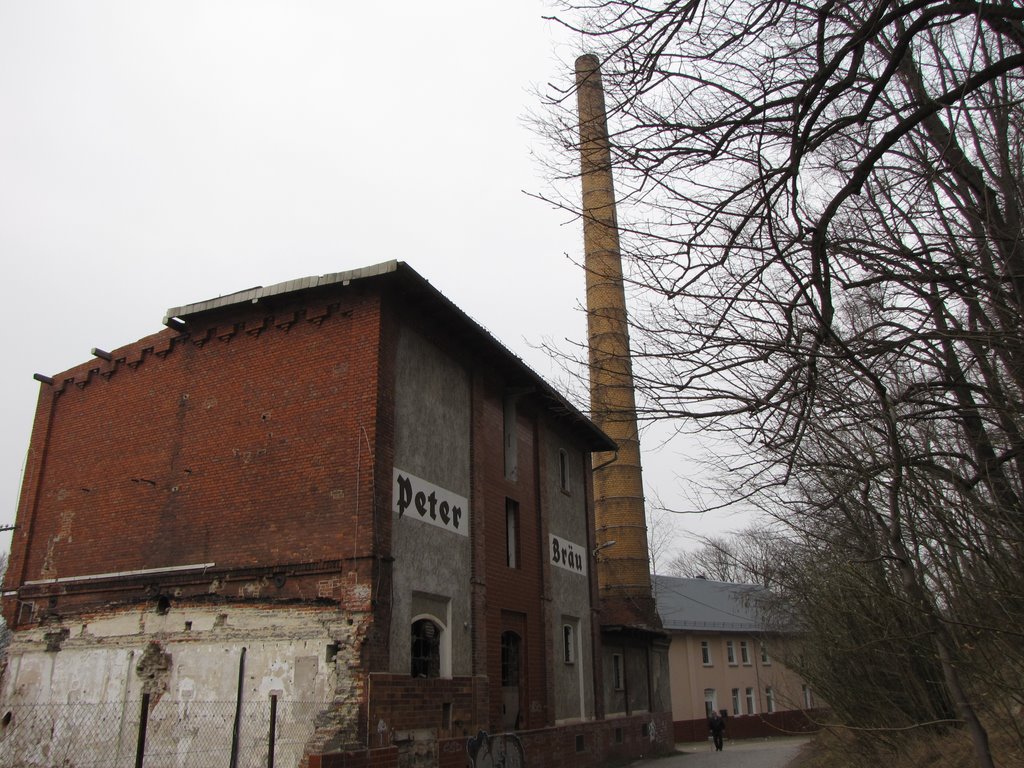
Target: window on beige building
point(744, 651)
point(736, 701)
point(751, 703)
point(705, 653)
point(769, 699)
point(730, 651)
point(709, 701)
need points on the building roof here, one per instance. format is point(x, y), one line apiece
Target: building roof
point(418, 295)
point(705, 605)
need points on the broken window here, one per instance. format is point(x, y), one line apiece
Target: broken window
point(426, 649)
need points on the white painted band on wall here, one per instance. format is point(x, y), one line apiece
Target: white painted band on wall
point(565, 554)
point(117, 574)
point(417, 499)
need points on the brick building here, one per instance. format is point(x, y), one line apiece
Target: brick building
point(327, 522)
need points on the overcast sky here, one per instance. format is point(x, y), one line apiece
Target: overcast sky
point(154, 154)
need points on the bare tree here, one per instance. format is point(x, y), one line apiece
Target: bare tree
point(753, 555)
point(822, 222)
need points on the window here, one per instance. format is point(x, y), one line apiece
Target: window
point(769, 699)
point(744, 652)
point(705, 653)
point(509, 659)
point(563, 470)
point(736, 701)
point(709, 701)
point(568, 644)
point(618, 683)
point(510, 443)
point(511, 533)
point(426, 649)
point(750, 702)
point(765, 658)
point(808, 697)
point(730, 651)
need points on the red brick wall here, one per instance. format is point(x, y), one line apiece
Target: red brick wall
point(244, 444)
point(585, 745)
point(401, 703)
point(784, 723)
point(513, 594)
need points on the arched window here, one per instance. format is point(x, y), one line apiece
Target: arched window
point(426, 649)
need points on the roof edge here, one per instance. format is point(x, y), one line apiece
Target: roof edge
point(253, 295)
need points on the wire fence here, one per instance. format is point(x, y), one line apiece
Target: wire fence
point(157, 733)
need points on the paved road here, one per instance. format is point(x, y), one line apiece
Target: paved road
point(746, 753)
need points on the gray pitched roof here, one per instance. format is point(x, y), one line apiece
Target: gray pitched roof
point(701, 604)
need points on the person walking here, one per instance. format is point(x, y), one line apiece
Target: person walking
point(716, 724)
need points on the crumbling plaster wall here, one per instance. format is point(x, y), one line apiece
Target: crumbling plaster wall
point(189, 657)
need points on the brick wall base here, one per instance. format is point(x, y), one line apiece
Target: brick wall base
point(581, 745)
point(788, 723)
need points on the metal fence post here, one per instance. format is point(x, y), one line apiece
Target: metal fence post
point(237, 732)
point(140, 749)
point(273, 729)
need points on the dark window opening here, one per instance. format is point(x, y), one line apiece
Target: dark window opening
point(509, 438)
point(563, 471)
point(580, 742)
point(568, 644)
point(510, 643)
point(426, 649)
point(511, 533)
point(617, 681)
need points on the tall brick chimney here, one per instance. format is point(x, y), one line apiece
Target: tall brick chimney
point(623, 564)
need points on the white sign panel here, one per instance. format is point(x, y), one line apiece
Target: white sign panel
point(567, 555)
point(414, 497)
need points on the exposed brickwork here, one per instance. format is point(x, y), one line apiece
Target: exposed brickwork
point(386, 757)
point(237, 447)
point(512, 593)
point(402, 703)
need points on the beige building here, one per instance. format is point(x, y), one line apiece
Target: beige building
point(721, 657)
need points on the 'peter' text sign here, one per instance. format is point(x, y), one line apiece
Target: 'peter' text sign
point(414, 497)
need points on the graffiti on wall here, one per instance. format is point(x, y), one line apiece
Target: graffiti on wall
point(504, 750)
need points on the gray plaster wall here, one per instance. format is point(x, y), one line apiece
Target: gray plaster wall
point(570, 594)
point(432, 442)
point(638, 663)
